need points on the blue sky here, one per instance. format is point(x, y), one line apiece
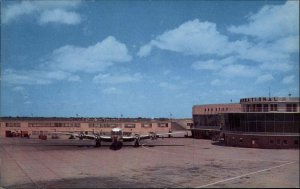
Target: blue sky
point(144, 58)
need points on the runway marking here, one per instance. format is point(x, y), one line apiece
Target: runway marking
point(183, 155)
point(251, 173)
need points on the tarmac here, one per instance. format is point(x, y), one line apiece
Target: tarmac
point(161, 163)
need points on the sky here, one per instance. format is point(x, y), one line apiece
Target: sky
point(144, 58)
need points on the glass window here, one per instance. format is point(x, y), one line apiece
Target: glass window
point(278, 127)
point(294, 107)
point(289, 107)
point(270, 126)
point(269, 116)
point(266, 107)
point(252, 126)
point(279, 116)
point(260, 126)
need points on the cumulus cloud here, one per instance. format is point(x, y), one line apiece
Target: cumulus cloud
point(145, 50)
point(18, 89)
point(36, 77)
point(193, 38)
point(288, 79)
point(94, 58)
point(111, 90)
point(271, 22)
point(239, 70)
point(167, 85)
point(213, 64)
point(109, 78)
point(264, 78)
point(46, 11)
point(206, 65)
point(59, 16)
point(275, 31)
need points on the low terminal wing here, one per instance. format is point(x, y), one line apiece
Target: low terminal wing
point(169, 133)
point(157, 135)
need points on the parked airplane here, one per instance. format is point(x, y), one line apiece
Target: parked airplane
point(117, 137)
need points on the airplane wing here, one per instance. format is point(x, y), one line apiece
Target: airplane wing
point(81, 136)
point(66, 133)
point(128, 138)
point(105, 138)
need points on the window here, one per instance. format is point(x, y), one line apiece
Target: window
point(163, 124)
point(51, 124)
point(278, 142)
point(266, 108)
point(271, 141)
point(258, 107)
point(273, 107)
point(132, 125)
point(13, 124)
point(289, 107)
point(147, 125)
point(294, 107)
point(285, 142)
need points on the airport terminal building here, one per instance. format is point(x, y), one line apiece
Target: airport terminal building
point(35, 127)
point(261, 122)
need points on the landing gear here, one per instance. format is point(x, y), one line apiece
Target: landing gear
point(98, 143)
point(136, 143)
point(116, 145)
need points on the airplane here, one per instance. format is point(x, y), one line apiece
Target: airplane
point(117, 137)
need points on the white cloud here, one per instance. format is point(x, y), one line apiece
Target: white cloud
point(168, 86)
point(219, 82)
point(277, 66)
point(94, 58)
point(47, 11)
point(193, 38)
point(264, 78)
point(59, 16)
point(206, 65)
point(11, 12)
point(238, 70)
point(288, 79)
point(145, 50)
point(216, 82)
point(18, 89)
point(35, 77)
point(231, 92)
point(272, 21)
point(116, 78)
point(111, 90)
point(276, 28)
point(167, 72)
